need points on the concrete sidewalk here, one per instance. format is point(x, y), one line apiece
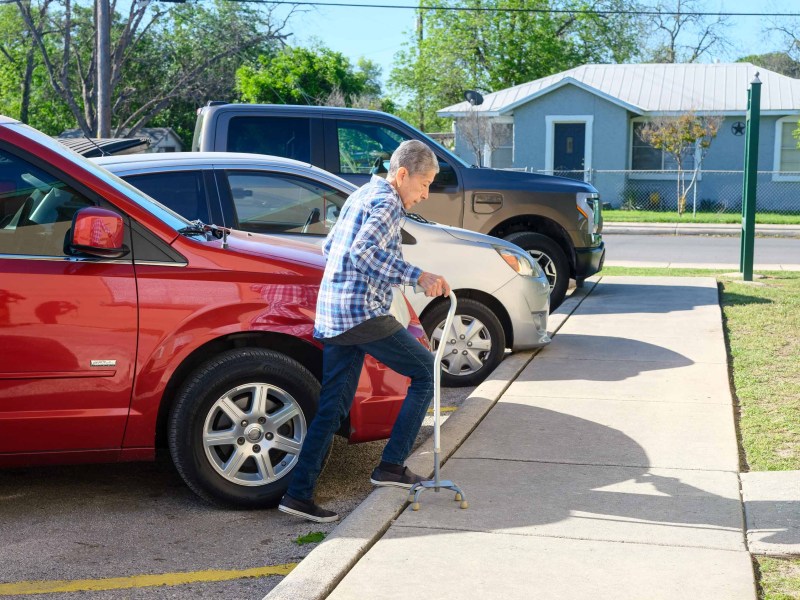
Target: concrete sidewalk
point(605, 467)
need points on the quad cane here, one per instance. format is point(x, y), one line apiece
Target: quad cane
point(437, 484)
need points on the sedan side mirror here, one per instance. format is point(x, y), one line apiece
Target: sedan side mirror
point(99, 232)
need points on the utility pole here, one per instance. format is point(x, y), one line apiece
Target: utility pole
point(420, 105)
point(750, 177)
point(103, 24)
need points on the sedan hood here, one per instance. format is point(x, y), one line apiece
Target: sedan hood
point(465, 235)
point(272, 246)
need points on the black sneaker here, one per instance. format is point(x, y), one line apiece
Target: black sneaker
point(306, 509)
point(403, 477)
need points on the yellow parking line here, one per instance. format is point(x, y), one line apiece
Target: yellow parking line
point(444, 409)
point(137, 581)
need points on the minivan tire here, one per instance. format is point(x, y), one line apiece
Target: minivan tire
point(550, 257)
point(469, 312)
point(238, 423)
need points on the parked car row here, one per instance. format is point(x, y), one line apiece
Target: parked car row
point(124, 326)
point(503, 293)
point(168, 300)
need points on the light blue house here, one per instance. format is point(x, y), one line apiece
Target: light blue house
point(583, 123)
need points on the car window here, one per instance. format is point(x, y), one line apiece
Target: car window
point(361, 144)
point(289, 137)
point(36, 209)
point(280, 203)
point(182, 191)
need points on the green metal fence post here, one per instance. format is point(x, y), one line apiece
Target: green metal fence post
point(750, 178)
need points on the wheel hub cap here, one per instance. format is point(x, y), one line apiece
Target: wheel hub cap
point(253, 433)
point(467, 345)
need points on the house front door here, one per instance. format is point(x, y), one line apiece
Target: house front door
point(569, 149)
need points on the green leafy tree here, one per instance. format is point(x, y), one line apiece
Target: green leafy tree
point(780, 62)
point(160, 57)
point(493, 48)
point(24, 91)
point(316, 75)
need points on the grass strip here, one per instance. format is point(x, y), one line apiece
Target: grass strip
point(651, 216)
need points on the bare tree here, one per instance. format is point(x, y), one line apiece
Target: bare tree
point(684, 36)
point(73, 76)
point(686, 139)
point(476, 130)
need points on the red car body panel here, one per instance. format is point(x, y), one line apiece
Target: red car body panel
point(142, 321)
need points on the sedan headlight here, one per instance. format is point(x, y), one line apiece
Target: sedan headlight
point(521, 263)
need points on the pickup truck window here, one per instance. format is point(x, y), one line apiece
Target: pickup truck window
point(289, 137)
point(36, 209)
point(279, 203)
point(361, 144)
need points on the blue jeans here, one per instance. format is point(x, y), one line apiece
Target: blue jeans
point(341, 368)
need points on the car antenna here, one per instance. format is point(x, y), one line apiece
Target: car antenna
point(96, 145)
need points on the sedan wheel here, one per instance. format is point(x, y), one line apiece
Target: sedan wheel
point(474, 346)
point(238, 424)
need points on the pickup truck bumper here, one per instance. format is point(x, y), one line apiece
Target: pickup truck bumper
point(589, 261)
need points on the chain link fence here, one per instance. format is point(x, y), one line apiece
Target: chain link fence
point(713, 192)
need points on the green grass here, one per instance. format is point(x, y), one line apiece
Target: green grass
point(780, 578)
point(310, 538)
point(762, 328)
point(651, 216)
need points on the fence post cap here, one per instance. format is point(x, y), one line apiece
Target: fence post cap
point(756, 80)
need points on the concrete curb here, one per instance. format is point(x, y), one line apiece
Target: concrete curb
point(792, 231)
point(321, 571)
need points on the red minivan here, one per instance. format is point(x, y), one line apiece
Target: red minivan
point(124, 327)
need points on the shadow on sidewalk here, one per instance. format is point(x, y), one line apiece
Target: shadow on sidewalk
point(620, 296)
point(533, 471)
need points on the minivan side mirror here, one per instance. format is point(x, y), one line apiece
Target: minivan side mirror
point(99, 232)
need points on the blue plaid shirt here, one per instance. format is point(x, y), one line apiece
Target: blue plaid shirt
point(365, 260)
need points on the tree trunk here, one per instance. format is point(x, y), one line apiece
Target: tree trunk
point(24, 108)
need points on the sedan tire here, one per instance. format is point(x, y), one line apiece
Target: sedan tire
point(238, 424)
point(474, 346)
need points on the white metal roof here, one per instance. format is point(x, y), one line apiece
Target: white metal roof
point(655, 88)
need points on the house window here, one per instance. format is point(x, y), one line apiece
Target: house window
point(788, 159)
point(503, 144)
point(645, 157)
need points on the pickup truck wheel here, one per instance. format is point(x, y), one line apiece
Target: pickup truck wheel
point(238, 424)
point(550, 257)
point(474, 346)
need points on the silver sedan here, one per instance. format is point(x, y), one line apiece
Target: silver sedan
point(503, 295)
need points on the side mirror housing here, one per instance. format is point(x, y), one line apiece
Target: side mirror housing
point(446, 175)
point(99, 232)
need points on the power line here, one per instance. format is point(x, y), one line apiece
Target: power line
point(578, 11)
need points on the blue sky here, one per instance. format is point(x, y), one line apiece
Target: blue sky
point(378, 33)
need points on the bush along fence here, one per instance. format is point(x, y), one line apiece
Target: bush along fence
point(712, 192)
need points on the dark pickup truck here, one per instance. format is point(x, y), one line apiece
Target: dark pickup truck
point(557, 220)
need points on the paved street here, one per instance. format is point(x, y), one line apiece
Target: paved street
point(695, 250)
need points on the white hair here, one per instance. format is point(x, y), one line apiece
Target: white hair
point(415, 156)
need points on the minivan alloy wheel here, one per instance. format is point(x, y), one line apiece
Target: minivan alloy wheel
point(253, 434)
point(238, 423)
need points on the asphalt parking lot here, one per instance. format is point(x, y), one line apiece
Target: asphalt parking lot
point(85, 529)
